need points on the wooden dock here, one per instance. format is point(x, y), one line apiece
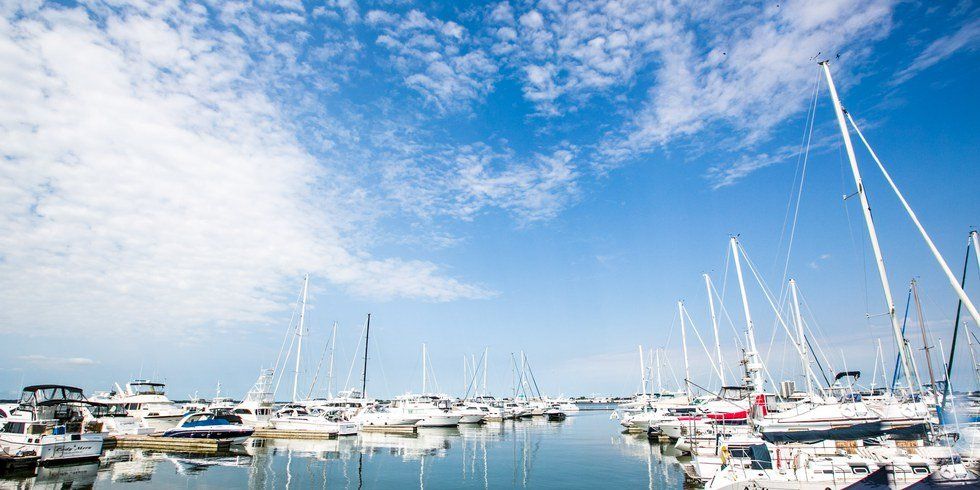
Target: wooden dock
point(176, 444)
point(292, 434)
point(394, 429)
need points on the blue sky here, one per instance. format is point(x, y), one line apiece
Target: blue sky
point(541, 176)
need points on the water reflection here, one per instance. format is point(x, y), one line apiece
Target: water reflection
point(583, 451)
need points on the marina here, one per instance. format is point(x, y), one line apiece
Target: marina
point(564, 244)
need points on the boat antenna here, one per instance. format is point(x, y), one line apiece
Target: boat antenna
point(367, 337)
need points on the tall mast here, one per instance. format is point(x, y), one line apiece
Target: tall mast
point(956, 321)
point(753, 366)
point(872, 232)
point(333, 345)
point(687, 368)
point(925, 339)
point(299, 335)
point(801, 338)
point(643, 373)
point(367, 338)
point(714, 325)
point(486, 350)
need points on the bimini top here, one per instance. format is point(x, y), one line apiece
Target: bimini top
point(44, 395)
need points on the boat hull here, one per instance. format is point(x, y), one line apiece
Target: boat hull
point(236, 435)
point(56, 449)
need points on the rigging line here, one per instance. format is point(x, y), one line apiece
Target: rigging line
point(922, 231)
point(768, 295)
point(799, 195)
point(819, 348)
point(670, 331)
point(703, 346)
point(289, 329)
point(354, 359)
point(731, 323)
point(810, 112)
point(381, 366)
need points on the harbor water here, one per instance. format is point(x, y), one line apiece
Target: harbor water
point(584, 451)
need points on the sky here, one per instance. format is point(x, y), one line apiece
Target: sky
point(548, 177)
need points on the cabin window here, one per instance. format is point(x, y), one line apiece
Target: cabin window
point(860, 470)
point(14, 427)
point(920, 470)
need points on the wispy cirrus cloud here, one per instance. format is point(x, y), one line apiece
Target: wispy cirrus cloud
point(965, 37)
point(48, 361)
point(148, 179)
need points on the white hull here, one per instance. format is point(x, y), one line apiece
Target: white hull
point(55, 449)
point(160, 423)
point(439, 421)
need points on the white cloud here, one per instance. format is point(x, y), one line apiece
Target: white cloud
point(48, 362)
point(463, 181)
point(964, 38)
point(148, 182)
point(750, 75)
point(436, 58)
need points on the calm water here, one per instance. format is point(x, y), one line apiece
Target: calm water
point(584, 451)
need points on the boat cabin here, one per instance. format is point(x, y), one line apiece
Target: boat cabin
point(144, 387)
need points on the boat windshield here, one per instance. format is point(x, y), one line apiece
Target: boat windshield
point(42, 395)
point(147, 388)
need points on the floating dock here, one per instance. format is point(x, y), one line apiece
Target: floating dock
point(292, 434)
point(395, 429)
point(178, 444)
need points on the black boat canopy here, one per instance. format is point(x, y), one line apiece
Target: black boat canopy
point(46, 395)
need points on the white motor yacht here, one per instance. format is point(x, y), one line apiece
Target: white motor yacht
point(257, 407)
point(433, 410)
point(114, 420)
point(330, 421)
point(382, 416)
point(145, 400)
point(48, 421)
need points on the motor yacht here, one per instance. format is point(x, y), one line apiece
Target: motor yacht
point(209, 425)
point(113, 420)
point(49, 422)
point(145, 400)
point(382, 416)
point(330, 421)
point(434, 411)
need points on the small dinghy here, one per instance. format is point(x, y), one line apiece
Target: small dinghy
point(208, 425)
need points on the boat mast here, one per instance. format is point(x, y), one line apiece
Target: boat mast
point(714, 325)
point(956, 321)
point(872, 232)
point(367, 337)
point(643, 373)
point(687, 368)
point(333, 346)
point(925, 339)
point(299, 335)
point(801, 338)
point(753, 366)
point(486, 350)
